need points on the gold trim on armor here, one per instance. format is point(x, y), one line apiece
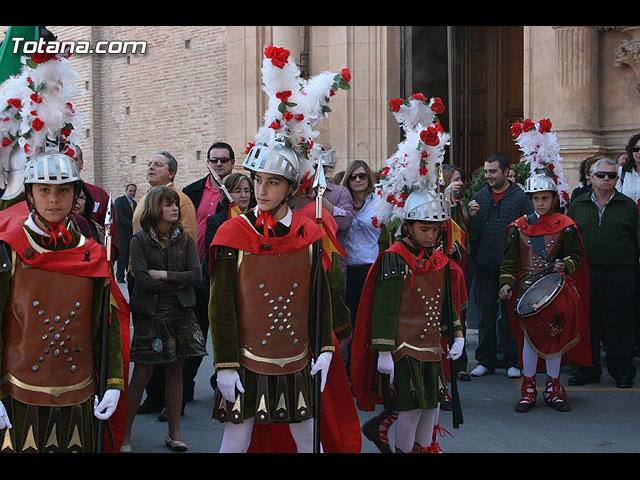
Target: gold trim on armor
point(53, 391)
point(418, 349)
point(281, 362)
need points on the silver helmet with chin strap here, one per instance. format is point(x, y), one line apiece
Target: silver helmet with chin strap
point(426, 206)
point(540, 182)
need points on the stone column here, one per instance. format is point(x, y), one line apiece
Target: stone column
point(288, 37)
point(577, 119)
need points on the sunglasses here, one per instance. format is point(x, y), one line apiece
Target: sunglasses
point(221, 160)
point(635, 149)
point(361, 176)
point(611, 175)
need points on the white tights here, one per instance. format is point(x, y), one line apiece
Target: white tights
point(415, 426)
point(237, 437)
point(530, 362)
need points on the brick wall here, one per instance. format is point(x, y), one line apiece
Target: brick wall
point(173, 97)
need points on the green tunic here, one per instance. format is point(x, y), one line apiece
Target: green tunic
point(223, 322)
point(417, 384)
point(115, 374)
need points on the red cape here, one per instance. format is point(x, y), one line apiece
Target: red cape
point(580, 354)
point(339, 425)
point(75, 261)
point(363, 357)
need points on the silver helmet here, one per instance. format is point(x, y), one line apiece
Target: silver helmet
point(278, 160)
point(51, 167)
point(540, 182)
point(426, 206)
point(327, 158)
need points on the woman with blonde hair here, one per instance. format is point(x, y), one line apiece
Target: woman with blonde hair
point(166, 266)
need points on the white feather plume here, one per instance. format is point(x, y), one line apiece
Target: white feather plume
point(416, 163)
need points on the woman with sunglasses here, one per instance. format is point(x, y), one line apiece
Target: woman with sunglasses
point(628, 177)
point(361, 241)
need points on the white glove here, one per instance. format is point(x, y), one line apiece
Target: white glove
point(322, 365)
point(4, 418)
point(107, 405)
point(385, 364)
point(228, 380)
point(456, 349)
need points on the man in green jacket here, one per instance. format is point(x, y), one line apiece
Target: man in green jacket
point(608, 224)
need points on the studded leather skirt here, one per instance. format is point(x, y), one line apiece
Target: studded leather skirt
point(269, 398)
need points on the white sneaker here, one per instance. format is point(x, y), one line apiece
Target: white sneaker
point(514, 372)
point(479, 371)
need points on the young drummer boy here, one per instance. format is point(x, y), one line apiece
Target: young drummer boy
point(548, 242)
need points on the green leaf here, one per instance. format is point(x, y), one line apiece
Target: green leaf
point(344, 85)
point(31, 63)
point(291, 104)
point(27, 134)
point(326, 109)
point(282, 108)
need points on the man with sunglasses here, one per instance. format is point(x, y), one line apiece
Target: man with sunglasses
point(205, 195)
point(608, 224)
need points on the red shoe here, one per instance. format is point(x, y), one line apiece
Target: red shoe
point(529, 394)
point(554, 395)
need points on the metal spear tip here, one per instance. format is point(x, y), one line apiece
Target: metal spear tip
point(320, 180)
point(107, 216)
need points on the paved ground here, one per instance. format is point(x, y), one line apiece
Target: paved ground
point(604, 419)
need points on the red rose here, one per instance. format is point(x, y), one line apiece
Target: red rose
point(528, 125)
point(69, 151)
point(430, 136)
point(437, 106)
point(275, 125)
point(35, 98)
point(249, 147)
point(287, 115)
point(65, 132)
point(279, 56)
point(345, 74)
point(401, 204)
point(374, 221)
point(391, 199)
point(299, 117)
point(439, 127)
point(516, 129)
point(38, 57)
point(424, 154)
point(419, 96)
point(6, 142)
point(395, 104)
point(37, 124)
point(283, 96)
point(423, 170)
point(15, 102)
point(70, 107)
point(545, 126)
point(331, 93)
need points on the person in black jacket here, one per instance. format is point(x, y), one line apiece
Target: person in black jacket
point(165, 264)
point(500, 203)
point(124, 207)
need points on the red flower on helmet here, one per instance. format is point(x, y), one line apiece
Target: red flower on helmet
point(437, 106)
point(249, 147)
point(35, 98)
point(284, 95)
point(516, 129)
point(287, 115)
point(545, 126)
point(41, 57)
point(279, 56)
point(395, 104)
point(275, 125)
point(419, 96)
point(430, 136)
point(528, 125)
point(15, 102)
point(6, 142)
point(345, 74)
point(37, 124)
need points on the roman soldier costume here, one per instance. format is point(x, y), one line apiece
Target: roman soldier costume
point(264, 304)
point(407, 301)
point(548, 311)
point(48, 390)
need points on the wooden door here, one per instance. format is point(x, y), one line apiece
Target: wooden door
point(488, 94)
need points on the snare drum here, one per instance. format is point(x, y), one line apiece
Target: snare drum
point(547, 312)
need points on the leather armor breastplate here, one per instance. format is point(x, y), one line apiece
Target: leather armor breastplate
point(419, 318)
point(47, 358)
point(532, 255)
point(272, 302)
